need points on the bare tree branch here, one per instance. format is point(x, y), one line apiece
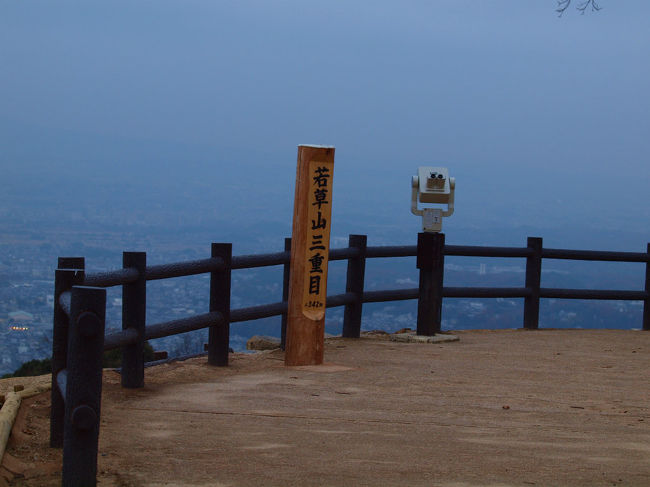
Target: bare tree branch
point(562, 5)
point(594, 6)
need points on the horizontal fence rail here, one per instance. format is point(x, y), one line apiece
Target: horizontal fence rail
point(120, 339)
point(391, 251)
point(390, 295)
point(180, 269)
point(112, 278)
point(258, 312)
point(593, 294)
point(595, 255)
point(160, 330)
point(130, 275)
point(485, 292)
point(183, 325)
point(214, 265)
point(261, 260)
point(475, 251)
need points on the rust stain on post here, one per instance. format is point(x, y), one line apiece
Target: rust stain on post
point(309, 256)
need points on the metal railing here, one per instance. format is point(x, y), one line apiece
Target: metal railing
point(76, 352)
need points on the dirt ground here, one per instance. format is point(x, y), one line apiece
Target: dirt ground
point(497, 408)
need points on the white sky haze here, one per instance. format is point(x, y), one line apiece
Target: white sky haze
point(542, 120)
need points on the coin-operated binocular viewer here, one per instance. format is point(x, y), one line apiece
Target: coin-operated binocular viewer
point(432, 185)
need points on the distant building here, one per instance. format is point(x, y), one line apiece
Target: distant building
point(21, 316)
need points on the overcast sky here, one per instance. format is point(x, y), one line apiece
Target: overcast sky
point(538, 117)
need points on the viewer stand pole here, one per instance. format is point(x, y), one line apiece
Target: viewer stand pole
point(431, 262)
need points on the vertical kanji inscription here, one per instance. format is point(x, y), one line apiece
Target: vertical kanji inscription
point(319, 211)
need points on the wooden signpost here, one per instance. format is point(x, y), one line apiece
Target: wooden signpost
point(309, 256)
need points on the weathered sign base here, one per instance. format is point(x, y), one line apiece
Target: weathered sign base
point(309, 256)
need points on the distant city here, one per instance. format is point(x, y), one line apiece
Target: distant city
point(27, 284)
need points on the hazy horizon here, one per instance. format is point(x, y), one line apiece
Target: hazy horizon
point(200, 105)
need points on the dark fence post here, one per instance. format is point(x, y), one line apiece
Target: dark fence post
point(354, 284)
point(83, 388)
point(64, 279)
point(71, 263)
point(431, 262)
point(134, 312)
point(646, 303)
point(533, 280)
point(219, 336)
point(285, 293)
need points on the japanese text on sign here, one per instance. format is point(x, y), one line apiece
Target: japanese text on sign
point(318, 236)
